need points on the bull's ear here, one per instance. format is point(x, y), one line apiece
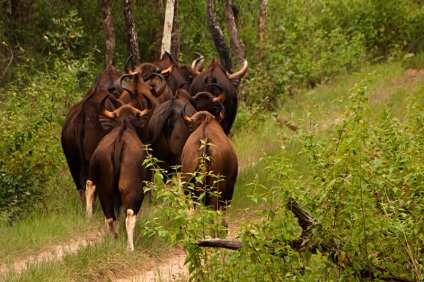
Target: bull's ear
point(235, 81)
point(106, 123)
point(144, 120)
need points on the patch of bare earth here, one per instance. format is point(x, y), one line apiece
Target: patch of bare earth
point(170, 268)
point(411, 78)
point(167, 268)
point(53, 253)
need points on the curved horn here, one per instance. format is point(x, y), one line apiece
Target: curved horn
point(241, 72)
point(221, 96)
point(133, 101)
point(183, 114)
point(122, 78)
point(162, 86)
point(201, 61)
point(127, 64)
point(182, 85)
point(147, 109)
point(170, 69)
point(171, 58)
point(205, 94)
point(103, 110)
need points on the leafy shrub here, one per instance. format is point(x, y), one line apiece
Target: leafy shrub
point(364, 188)
point(34, 110)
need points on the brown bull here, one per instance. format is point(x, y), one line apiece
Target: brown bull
point(82, 132)
point(216, 74)
point(177, 76)
point(168, 130)
point(142, 90)
point(109, 79)
point(209, 150)
point(117, 172)
point(154, 86)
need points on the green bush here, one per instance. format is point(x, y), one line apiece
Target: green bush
point(34, 111)
point(364, 187)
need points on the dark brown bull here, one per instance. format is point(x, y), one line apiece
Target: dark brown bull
point(208, 150)
point(168, 130)
point(117, 172)
point(109, 79)
point(146, 79)
point(142, 90)
point(177, 76)
point(216, 74)
point(82, 132)
point(205, 101)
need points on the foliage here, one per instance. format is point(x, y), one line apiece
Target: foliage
point(309, 42)
point(364, 189)
point(30, 151)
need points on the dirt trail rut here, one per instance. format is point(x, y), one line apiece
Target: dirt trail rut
point(54, 252)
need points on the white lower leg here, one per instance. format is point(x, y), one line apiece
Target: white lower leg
point(89, 197)
point(110, 225)
point(130, 224)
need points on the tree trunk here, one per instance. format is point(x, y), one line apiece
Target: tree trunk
point(263, 13)
point(217, 35)
point(167, 26)
point(131, 33)
point(175, 40)
point(237, 45)
point(109, 32)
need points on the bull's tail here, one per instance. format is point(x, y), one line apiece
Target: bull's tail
point(117, 158)
point(162, 122)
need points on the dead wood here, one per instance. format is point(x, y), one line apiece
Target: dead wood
point(232, 244)
point(288, 124)
point(305, 243)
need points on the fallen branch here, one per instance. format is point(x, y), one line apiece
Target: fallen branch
point(304, 243)
point(288, 124)
point(232, 244)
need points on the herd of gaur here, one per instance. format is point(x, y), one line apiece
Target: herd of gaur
point(182, 112)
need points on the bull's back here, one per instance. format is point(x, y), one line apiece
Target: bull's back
point(213, 143)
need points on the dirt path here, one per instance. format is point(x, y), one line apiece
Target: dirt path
point(168, 268)
point(54, 252)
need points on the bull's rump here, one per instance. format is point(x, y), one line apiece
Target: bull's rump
point(117, 168)
point(220, 160)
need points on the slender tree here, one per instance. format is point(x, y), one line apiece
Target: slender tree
point(175, 41)
point(131, 33)
point(109, 32)
point(237, 46)
point(217, 35)
point(263, 14)
point(167, 26)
